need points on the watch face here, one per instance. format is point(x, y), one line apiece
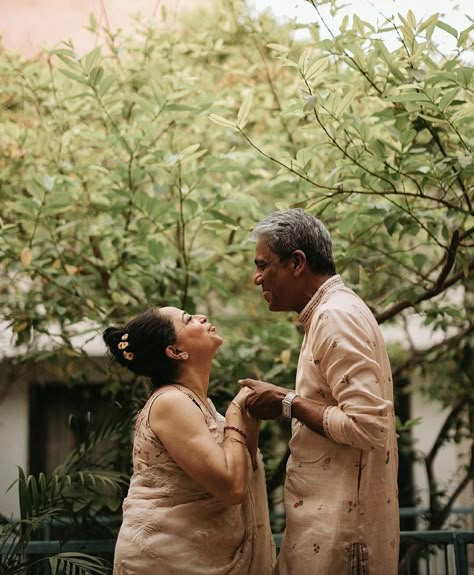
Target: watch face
point(286, 403)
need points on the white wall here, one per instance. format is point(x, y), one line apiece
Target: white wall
point(13, 444)
point(28, 25)
point(448, 461)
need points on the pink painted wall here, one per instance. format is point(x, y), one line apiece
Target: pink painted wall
point(29, 25)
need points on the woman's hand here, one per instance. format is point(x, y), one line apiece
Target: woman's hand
point(252, 425)
point(265, 399)
point(241, 398)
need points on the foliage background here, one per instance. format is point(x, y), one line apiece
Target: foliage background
point(131, 176)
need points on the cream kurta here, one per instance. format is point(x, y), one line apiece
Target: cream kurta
point(341, 497)
point(172, 526)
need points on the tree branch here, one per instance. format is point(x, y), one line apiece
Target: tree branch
point(434, 291)
point(418, 355)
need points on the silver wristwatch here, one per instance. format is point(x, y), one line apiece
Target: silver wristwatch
point(286, 403)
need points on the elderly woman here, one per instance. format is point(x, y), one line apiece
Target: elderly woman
point(197, 501)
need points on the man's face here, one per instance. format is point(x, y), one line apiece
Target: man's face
point(275, 277)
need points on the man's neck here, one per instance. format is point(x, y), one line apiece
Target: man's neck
point(313, 283)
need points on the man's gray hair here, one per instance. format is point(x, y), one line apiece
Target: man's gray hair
point(289, 230)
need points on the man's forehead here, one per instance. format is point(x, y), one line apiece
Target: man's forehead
point(263, 252)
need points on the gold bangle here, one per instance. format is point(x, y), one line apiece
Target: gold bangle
point(232, 428)
point(236, 441)
point(235, 403)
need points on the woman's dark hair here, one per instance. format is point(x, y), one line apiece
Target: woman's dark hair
point(140, 346)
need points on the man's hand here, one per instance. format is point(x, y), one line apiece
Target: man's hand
point(265, 400)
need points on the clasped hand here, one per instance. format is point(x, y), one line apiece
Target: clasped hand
point(264, 399)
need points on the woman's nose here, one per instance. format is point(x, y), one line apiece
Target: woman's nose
point(202, 318)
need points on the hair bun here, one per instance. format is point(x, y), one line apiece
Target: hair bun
point(114, 340)
point(112, 337)
point(140, 345)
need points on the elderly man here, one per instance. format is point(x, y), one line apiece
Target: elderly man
point(341, 479)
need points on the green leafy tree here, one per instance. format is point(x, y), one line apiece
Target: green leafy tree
point(384, 156)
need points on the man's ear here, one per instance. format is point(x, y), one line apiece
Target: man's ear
point(298, 262)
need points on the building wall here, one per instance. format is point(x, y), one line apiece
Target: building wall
point(15, 417)
point(451, 457)
point(13, 444)
point(28, 25)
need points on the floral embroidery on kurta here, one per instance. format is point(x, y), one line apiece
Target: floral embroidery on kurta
point(343, 477)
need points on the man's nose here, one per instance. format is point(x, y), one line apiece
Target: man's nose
point(202, 318)
point(257, 277)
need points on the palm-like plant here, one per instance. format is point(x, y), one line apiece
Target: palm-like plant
point(83, 485)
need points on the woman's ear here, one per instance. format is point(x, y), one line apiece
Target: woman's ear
point(172, 352)
point(175, 353)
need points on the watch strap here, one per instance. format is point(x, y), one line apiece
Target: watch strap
point(286, 404)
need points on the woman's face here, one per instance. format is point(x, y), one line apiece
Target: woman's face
point(195, 335)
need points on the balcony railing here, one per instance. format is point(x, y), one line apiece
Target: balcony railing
point(449, 552)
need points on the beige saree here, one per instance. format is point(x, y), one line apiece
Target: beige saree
point(172, 526)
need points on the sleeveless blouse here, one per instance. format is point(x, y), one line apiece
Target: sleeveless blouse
point(173, 526)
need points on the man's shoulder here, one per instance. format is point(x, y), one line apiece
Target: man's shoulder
point(340, 305)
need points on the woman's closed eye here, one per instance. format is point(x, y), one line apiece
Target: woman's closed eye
point(186, 318)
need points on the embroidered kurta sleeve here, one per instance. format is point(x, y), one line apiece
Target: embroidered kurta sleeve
point(345, 345)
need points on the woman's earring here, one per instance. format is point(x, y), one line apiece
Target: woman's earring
point(184, 355)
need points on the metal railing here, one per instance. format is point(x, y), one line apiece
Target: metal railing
point(422, 552)
point(434, 552)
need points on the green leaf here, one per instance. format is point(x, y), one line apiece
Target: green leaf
point(343, 26)
point(464, 36)
point(278, 47)
point(244, 111)
point(223, 217)
point(221, 121)
point(90, 60)
point(287, 62)
point(104, 84)
point(410, 97)
point(179, 108)
point(316, 69)
point(304, 157)
point(429, 24)
point(345, 102)
point(447, 28)
point(93, 24)
point(419, 260)
point(411, 19)
point(391, 223)
point(190, 149)
point(74, 562)
point(448, 98)
point(75, 77)
point(96, 75)
point(467, 111)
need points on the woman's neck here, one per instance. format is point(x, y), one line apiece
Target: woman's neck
point(196, 379)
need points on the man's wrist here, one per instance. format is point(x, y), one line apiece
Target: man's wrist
point(287, 403)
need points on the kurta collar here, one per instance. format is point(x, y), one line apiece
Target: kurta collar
point(328, 285)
